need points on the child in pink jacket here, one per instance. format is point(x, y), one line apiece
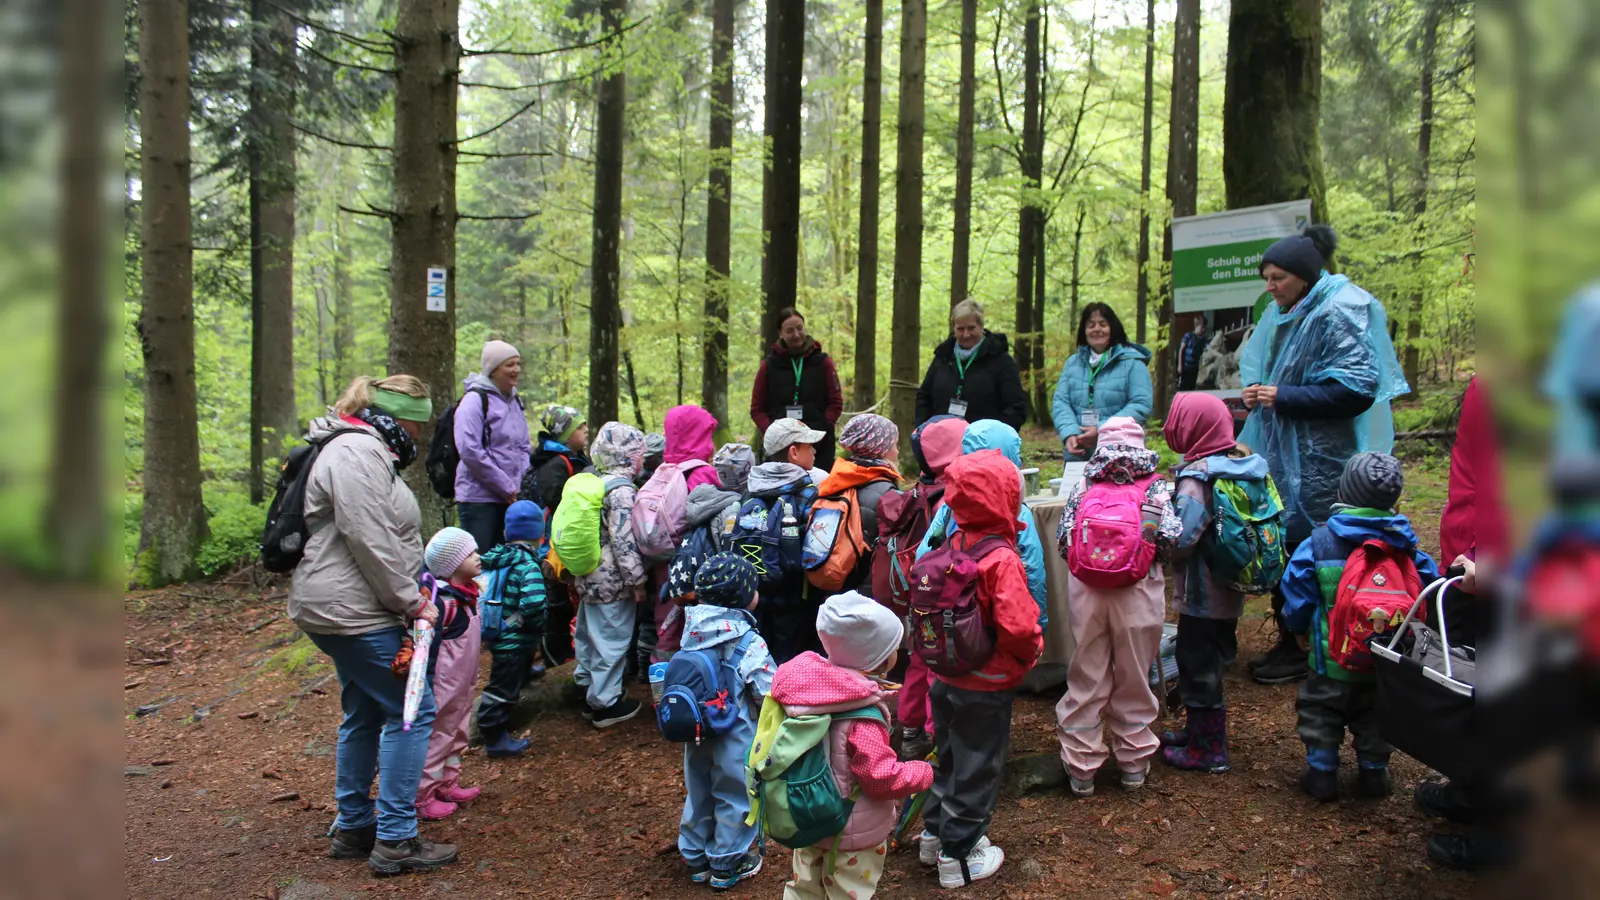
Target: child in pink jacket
point(452, 557)
point(691, 442)
point(862, 639)
point(1117, 631)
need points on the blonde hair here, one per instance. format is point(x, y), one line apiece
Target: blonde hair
point(1240, 450)
point(358, 395)
point(967, 309)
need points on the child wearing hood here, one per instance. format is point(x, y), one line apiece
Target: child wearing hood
point(715, 842)
point(972, 712)
point(992, 434)
point(609, 596)
point(937, 444)
point(1333, 698)
point(690, 445)
point(1200, 427)
point(1117, 631)
point(872, 448)
point(558, 454)
point(862, 639)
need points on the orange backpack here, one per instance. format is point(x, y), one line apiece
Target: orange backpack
point(835, 543)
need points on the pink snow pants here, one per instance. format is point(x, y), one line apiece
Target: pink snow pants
point(914, 708)
point(455, 680)
point(1117, 634)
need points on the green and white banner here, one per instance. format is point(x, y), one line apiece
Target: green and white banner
point(1215, 258)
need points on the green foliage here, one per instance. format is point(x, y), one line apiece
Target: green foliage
point(235, 533)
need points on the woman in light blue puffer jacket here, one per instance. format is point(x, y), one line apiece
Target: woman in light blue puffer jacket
point(1107, 376)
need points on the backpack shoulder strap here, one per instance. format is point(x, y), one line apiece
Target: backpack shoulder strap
point(870, 711)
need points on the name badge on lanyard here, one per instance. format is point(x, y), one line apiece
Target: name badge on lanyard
point(958, 408)
point(794, 412)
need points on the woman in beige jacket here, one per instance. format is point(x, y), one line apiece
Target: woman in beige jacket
point(354, 594)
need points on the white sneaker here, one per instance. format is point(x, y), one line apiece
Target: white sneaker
point(1132, 781)
point(983, 862)
point(928, 849)
point(1081, 787)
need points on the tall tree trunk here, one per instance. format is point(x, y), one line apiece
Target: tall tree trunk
point(780, 186)
point(76, 515)
point(271, 151)
point(964, 116)
point(1142, 304)
point(1077, 266)
point(1272, 104)
point(174, 520)
point(605, 289)
point(905, 360)
point(1041, 404)
point(719, 214)
point(1183, 164)
point(344, 296)
point(1028, 217)
point(1430, 42)
point(866, 380)
point(423, 342)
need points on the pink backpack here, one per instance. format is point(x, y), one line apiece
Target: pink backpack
point(1107, 546)
point(661, 511)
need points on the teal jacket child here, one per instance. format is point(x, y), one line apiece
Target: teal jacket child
point(523, 595)
point(1312, 578)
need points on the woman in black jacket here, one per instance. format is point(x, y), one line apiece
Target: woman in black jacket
point(972, 375)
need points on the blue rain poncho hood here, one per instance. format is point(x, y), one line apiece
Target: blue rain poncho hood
point(1337, 333)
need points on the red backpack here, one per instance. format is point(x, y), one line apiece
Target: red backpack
point(1378, 587)
point(1563, 588)
point(903, 519)
point(948, 628)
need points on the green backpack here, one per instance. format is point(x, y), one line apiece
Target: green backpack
point(1246, 546)
point(575, 532)
point(790, 783)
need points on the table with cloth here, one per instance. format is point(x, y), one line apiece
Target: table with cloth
point(1051, 672)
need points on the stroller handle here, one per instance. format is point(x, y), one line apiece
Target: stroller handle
point(1437, 588)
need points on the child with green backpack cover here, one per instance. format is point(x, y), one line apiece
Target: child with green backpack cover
point(823, 778)
point(1232, 539)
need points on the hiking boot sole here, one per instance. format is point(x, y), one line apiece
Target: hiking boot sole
point(386, 868)
point(615, 720)
point(1276, 678)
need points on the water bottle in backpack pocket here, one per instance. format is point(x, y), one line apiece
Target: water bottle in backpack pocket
point(948, 628)
point(1108, 547)
point(769, 534)
point(701, 694)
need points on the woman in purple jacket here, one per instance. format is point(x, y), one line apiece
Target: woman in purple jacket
point(492, 438)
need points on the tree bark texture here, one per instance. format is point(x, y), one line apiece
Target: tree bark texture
point(271, 151)
point(344, 293)
point(780, 186)
point(423, 342)
point(1183, 164)
point(76, 517)
point(1142, 292)
point(1028, 230)
point(719, 213)
point(961, 247)
point(605, 292)
point(905, 365)
point(1271, 149)
point(866, 380)
point(1412, 362)
point(174, 519)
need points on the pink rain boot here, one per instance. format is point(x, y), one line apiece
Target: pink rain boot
point(455, 793)
point(435, 809)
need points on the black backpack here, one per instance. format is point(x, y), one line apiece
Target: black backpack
point(283, 541)
point(443, 457)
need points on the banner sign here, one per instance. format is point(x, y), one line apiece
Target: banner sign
point(1215, 258)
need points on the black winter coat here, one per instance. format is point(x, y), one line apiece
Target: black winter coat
point(992, 387)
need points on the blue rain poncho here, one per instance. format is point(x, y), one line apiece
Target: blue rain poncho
point(1572, 379)
point(1337, 333)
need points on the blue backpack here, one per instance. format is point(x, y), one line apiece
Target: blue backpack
point(770, 534)
point(698, 546)
point(700, 695)
point(492, 606)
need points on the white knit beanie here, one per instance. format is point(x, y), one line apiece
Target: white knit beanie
point(447, 550)
point(495, 354)
point(858, 632)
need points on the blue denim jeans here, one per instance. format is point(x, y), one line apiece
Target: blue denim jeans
point(371, 742)
point(712, 830)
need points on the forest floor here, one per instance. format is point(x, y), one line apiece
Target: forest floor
point(231, 718)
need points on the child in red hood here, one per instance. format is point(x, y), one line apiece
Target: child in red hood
point(862, 639)
point(972, 713)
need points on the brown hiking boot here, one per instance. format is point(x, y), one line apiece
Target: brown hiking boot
point(356, 843)
point(397, 857)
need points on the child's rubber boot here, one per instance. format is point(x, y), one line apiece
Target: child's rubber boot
point(1373, 781)
point(433, 809)
point(458, 795)
point(504, 746)
point(1207, 748)
point(1321, 784)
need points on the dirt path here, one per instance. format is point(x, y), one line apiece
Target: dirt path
point(247, 717)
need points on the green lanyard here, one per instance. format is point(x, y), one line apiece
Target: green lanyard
point(962, 367)
point(799, 369)
point(1094, 372)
